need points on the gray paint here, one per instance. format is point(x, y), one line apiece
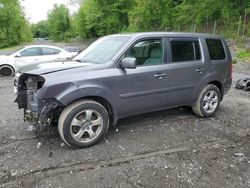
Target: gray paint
point(135, 91)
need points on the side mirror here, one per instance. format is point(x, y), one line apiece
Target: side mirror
point(128, 63)
point(18, 55)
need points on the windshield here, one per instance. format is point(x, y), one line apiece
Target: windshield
point(15, 51)
point(102, 50)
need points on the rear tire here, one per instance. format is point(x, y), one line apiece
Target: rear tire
point(6, 70)
point(83, 123)
point(208, 101)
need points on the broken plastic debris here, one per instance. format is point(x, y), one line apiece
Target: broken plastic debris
point(239, 154)
point(62, 144)
point(38, 145)
point(30, 128)
point(13, 172)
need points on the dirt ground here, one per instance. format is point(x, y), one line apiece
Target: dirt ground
point(171, 148)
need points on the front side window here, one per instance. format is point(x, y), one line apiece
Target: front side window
point(50, 51)
point(185, 50)
point(215, 49)
point(147, 52)
point(31, 52)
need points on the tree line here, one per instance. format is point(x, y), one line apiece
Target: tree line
point(96, 18)
point(14, 28)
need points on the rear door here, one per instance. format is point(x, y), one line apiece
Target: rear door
point(50, 54)
point(186, 69)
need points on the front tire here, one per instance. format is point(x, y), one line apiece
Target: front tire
point(83, 123)
point(6, 70)
point(208, 101)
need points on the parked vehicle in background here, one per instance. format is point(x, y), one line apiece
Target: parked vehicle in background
point(72, 49)
point(124, 75)
point(33, 54)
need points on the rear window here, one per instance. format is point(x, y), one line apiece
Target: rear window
point(185, 50)
point(215, 49)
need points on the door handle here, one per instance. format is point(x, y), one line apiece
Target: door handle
point(200, 70)
point(160, 75)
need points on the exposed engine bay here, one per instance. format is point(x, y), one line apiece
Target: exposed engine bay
point(36, 109)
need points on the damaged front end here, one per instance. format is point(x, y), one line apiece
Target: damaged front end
point(36, 109)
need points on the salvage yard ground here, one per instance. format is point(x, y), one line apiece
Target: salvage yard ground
point(171, 148)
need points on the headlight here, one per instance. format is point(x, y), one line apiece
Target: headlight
point(16, 78)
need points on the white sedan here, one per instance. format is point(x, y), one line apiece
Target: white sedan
point(34, 54)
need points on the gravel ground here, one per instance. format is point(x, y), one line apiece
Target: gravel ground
point(171, 148)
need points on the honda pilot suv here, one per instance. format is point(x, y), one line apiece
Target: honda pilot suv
point(123, 75)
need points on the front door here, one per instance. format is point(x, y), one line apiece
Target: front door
point(29, 56)
point(145, 88)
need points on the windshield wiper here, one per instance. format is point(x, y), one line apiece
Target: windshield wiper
point(78, 60)
point(81, 61)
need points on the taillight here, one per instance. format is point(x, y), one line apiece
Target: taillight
point(231, 70)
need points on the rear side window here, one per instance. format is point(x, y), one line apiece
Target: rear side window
point(215, 49)
point(50, 51)
point(185, 50)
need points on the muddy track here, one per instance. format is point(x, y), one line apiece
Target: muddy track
point(44, 173)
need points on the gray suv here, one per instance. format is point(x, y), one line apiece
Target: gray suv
point(123, 75)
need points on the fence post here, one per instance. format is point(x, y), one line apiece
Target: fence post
point(238, 33)
point(207, 24)
point(244, 24)
point(215, 25)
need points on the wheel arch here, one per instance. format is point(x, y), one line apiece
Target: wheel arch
point(104, 102)
point(69, 92)
point(8, 66)
point(219, 85)
point(212, 78)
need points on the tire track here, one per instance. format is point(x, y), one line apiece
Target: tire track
point(44, 173)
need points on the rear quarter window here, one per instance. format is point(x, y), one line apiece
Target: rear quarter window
point(215, 49)
point(50, 51)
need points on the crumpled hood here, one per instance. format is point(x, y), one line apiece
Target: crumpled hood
point(49, 67)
